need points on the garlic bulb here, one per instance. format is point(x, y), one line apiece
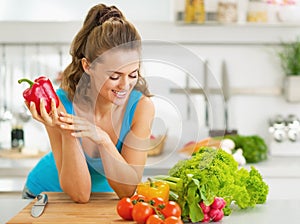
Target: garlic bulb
point(238, 156)
point(227, 144)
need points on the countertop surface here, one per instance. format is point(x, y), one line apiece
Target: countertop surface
point(273, 211)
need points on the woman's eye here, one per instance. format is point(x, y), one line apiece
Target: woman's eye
point(114, 77)
point(133, 75)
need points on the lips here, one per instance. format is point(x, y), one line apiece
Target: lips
point(120, 94)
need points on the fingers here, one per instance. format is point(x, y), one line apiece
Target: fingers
point(33, 111)
point(80, 126)
point(74, 124)
point(44, 114)
point(72, 120)
point(46, 118)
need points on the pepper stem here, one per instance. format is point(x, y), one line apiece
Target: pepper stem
point(151, 182)
point(26, 80)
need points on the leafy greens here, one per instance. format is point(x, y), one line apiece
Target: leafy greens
point(211, 173)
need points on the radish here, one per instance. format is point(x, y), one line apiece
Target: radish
point(204, 207)
point(213, 213)
point(206, 218)
point(218, 216)
point(219, 203)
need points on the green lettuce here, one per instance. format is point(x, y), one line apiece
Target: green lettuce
point(211, 173)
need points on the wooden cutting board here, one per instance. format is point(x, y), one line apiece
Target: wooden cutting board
point(61, 209)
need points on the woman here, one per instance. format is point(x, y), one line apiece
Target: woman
point(100, 131)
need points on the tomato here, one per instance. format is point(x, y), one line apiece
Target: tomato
point(138, 198)
point(171, 209)
point(154, 219)
point(173, 220)
point(141, 212)
point(157, 202)
point(124, 208)
point(205, 208)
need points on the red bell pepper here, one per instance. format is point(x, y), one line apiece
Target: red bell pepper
point(40, 88)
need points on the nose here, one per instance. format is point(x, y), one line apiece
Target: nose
point(123, 83)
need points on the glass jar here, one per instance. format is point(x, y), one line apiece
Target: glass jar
point(257, 11)
point(227, 11)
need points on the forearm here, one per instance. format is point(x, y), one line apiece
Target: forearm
point(123, 177)
point(72, 169)
point(74, 176)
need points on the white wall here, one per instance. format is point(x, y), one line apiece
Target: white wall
point(250, 54)
point(69, 10)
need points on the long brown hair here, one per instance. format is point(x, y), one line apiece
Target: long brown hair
point(104, 28)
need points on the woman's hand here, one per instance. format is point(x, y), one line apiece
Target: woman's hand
point(81, 127)
point(50, 119)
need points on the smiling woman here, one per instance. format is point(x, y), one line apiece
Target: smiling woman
point(100, 133)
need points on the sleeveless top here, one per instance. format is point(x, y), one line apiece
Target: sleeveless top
point(44, 176)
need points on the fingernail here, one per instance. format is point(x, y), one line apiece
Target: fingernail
point(62, 125)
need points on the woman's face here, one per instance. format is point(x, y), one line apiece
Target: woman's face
point(115, 75)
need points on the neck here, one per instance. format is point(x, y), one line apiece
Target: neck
point(104, 107)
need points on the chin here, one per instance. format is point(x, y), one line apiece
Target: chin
point(119, 102)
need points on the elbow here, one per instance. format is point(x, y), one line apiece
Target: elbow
point(80, 198)
point(123, 190)
point(78, 195)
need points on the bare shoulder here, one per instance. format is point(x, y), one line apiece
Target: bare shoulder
point(143, 118)
point(144, 105)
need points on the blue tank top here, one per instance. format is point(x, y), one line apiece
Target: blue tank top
point(44, 176)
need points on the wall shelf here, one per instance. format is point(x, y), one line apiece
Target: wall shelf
point(229, 34)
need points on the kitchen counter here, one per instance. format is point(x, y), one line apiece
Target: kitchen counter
point(281, 173)
point(273, 211)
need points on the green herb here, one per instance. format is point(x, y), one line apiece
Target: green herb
point(254, 147)
point(290, 57)
point(211, 173)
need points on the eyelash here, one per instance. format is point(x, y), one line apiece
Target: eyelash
point(131, 76)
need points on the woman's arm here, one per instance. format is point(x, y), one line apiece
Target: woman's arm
point(123, 171)
point(72, 169)
point(127, 170)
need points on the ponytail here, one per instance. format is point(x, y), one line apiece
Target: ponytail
point(104, 28)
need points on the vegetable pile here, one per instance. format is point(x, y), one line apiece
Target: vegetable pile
point(211, 173)
point(141, 209)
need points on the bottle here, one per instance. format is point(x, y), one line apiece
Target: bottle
point(199, 14)
point(17, 136)
point(194, 11)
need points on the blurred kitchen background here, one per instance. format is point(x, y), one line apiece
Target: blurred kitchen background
point(215, 66)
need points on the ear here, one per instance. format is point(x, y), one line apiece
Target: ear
point(85, 65)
